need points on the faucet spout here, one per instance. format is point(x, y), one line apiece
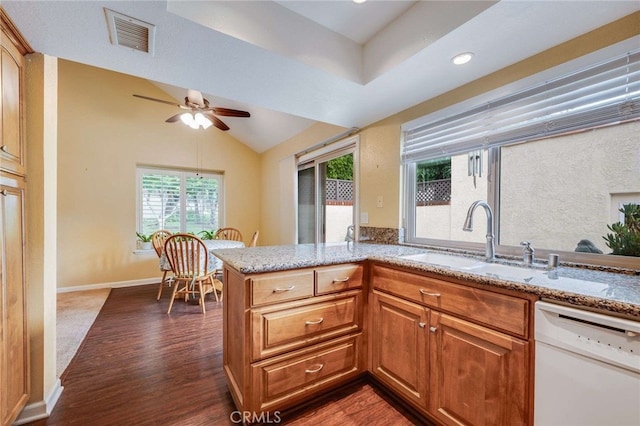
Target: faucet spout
point(468, 226)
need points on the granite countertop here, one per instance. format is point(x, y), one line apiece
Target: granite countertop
point(618, 293)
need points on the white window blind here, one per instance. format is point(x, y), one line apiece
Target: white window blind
point(604, 94)
point(178, 201)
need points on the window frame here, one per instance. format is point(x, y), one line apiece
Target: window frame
point(183, 174)
point(493, 173)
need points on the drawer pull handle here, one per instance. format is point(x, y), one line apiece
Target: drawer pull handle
point(433, 329)
point(428, 293)
point(315, 370)
point(316, 322)
point(280, 290)
point(339, 280)
point(4, 148)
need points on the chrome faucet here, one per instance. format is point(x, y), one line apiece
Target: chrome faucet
point(468, 226)
point(528, 253)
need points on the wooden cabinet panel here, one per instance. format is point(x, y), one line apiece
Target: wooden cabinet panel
point(12, 149)
point(281, 381)
point(280, 287)
point(331, 279)
point(399, 336)
point(283, 328)
point(507, 313)
point(478, 376)
point(14, 350)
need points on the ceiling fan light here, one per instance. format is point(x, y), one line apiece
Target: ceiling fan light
point(203, 121)
point(187, 118)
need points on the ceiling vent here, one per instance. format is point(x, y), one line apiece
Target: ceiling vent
point(130, 32)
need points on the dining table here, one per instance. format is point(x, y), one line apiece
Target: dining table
point(214, 262)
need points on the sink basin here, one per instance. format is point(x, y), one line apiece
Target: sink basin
point(448, 260)
point(505, 272)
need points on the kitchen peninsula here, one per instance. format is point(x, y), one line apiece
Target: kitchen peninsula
point(300, 320)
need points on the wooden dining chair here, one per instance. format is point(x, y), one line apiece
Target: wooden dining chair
point(254, 239)
point(193, 273)
point(158, 239)
point(228, 234)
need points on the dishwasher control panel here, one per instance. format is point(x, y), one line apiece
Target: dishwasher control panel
point(606, 338)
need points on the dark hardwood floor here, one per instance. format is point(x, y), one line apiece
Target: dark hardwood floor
point(140, 366)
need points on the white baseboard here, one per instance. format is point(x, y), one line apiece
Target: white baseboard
point(115, 284)
point(41, 409)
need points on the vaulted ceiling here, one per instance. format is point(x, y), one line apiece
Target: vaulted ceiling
point(293, 63)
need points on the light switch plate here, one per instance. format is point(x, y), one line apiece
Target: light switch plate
point(364, 217)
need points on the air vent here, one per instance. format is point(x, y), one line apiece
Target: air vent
point(130, 32)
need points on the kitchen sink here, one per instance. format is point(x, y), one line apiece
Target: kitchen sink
point(506, 272)
point(439, 259)
point(476, 266)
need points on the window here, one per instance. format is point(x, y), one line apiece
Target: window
point(178, 200)
point(555, 161)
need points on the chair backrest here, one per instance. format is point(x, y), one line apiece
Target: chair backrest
point(187, 255)
point(228, 234)
point(254, 239)
point(158, 238)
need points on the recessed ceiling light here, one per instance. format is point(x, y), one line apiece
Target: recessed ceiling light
point(462, 58)
point(359, 1)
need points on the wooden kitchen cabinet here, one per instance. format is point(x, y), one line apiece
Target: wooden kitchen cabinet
point(12, 147)
point(290, 335)
point(477, 350)
point(478, 376)
point(399, 346)
point(14, 336)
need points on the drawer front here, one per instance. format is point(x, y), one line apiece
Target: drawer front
point(280, 287)
point(331, 279)
point(275, 332)
point(507, 313)
point(285, 380)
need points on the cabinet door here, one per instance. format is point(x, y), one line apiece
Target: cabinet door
point(399, 346)
point(12, 149)
point(478, 376)
point(14, 349)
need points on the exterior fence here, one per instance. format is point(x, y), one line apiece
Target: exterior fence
point(431, 193)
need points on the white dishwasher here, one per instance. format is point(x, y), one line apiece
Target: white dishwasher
point(587, 368)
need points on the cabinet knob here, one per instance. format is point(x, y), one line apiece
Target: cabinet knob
point(422, 324)
point(433, 329)
point(3, 192)
point(4, 148)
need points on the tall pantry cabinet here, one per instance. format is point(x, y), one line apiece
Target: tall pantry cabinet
point(14, 338)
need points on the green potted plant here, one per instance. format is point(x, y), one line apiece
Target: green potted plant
point(144, 241)
point(207, 235)
point(625, 239)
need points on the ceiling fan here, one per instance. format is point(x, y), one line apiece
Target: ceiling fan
point(200, 113)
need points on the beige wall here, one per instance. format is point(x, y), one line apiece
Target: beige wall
point(103, 133)
point(380, 171)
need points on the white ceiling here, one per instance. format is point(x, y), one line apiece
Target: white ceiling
point(293, 63)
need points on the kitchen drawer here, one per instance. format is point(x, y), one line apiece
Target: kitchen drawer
point(281, 381)
point(292, 327)
point(331, 279)
point(503, 312)
point(281, 286)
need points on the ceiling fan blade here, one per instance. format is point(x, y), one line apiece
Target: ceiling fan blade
point(227, 112)
point(195, 97)
point(216, 121)
point(161, 101)
point(174, 118)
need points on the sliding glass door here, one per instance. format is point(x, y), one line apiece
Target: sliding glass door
point(327, 197)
